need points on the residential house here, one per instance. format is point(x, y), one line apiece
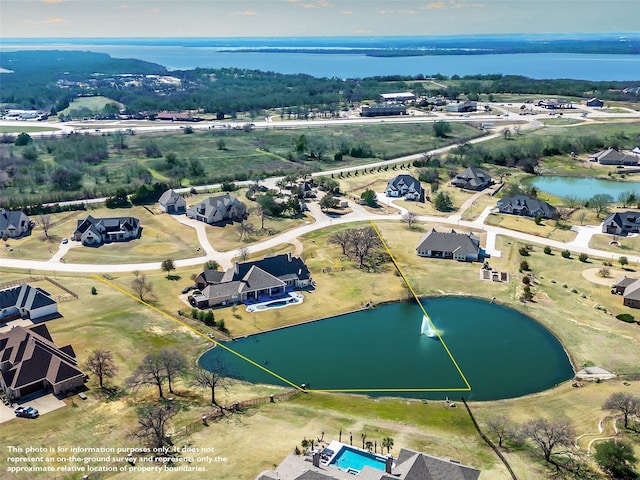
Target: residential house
point(96, 231)
point(410, 465)
point(629, 288)
point(622, 223)
point(594, 102)
point(526, 206)
point(400, 97)
point(25, 301)
point(249, 281)
point(611, 156)
point(218, 209)
point(462, 107)
point(382, 110)
point(30, 362)
point(472, 178)
point(554, 104)
point(405, 186)
point(464, 247)
point(171, 202)
point(14, 224)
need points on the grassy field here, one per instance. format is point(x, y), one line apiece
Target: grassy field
point(630, 244)
point(93, 104)
point(546, 229)
point(21, 128)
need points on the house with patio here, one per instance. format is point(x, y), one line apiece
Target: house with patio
point(171, 202)
point(611, 156)
point(26, 302)
point(246, 282)
point(526, 206)
point(30, 362)
point(410, 465)
point(464, 247)
point(218, 209)
point(622, 223)
point(405, 186)
point(472, 178)
point(94, 232)
point(14, 223)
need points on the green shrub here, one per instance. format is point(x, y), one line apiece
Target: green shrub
point(626, 317)
point(547, 250)
point(524, 251)
point(566, 254)
point(583, 257)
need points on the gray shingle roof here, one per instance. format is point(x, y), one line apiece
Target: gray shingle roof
point(472, 177)
point(459, 243)
point(525, 205)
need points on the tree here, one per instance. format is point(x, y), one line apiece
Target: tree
point(23, 139)
point(101, 364)
point(363, 241)
point(168, 266)
point(441, 128)
point(442, 202)
point(616, 457)
point(624, 261)
point(341, 238)
point(142, 286)
point(369, 197)
point(625, 403)
point(150, 372)
point(501, 426)
point(600, 203)
point(581, 217)
point(387, 442)
point(213, 378)
point(243, 253)
point(328, 201)
point(547, 250)
point(410, 218)
point(152, 423)
point(565, 254)
point(211, 265)
point(174, 363)
point(583, 257)
point(44, 221)
point(549, 435)
point(538, 219)
point(245, 229)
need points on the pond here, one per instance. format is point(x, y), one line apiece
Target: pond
point(582, 188)
point(495, 350)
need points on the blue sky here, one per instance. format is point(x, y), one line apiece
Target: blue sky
point(245, 18)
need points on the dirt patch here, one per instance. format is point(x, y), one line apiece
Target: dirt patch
point(593, 275)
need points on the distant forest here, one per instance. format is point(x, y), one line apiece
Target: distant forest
point(50, 80)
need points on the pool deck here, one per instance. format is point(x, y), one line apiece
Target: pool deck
point(254, 307)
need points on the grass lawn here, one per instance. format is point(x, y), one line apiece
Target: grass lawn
point(546, 229)
point(94, 104)
point(629, 244)
point(22, 128)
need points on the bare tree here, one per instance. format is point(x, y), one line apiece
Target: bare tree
point(150, 372)
point(152, 423)
point(581, 217)
point(363, 242)
point(625, 403)
point(410, 218)
point(261, 214)
point(243, 253)
point(244, 229)
point(142, 286)
point(174, 363)
point(549, 435)
point(101, 364)
point(44, 221)
point(214, 378)
point(341, 238)
point(501, 426)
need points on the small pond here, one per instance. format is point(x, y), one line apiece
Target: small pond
point(499, 351)
point(582, 188)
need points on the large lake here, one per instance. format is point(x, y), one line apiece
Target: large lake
point(582, 188)
point(500, 352)
point(534, 65)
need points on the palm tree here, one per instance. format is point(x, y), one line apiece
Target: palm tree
point(387, 442)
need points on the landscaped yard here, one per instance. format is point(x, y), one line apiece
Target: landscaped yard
point(625, 245)
point(546, 229)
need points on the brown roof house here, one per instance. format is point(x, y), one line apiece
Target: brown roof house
point(622, 223)
point(629, 288)
point(171, 202)
point(30, 362)
point(464, 247)
point(611, 156)
point(472, 178)
point(252, 281)
point(14, 223)
point(96, 231)
point(218, 209)
point(25, 301)
point(410, 465)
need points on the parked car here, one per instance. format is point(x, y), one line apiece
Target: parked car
point(27, 412)
point(189, 288)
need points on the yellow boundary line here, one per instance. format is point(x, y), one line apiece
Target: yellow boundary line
point(206, 337)
point(406, 281)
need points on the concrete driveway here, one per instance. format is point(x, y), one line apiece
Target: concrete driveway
point(44, 404)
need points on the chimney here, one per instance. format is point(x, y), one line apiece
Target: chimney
point(388, 464)
point(316, 458)
point(236, 268)
point(289, 256)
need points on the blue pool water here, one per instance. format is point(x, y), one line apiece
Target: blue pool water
point(349, 459)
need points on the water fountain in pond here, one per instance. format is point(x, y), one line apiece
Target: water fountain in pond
point(427, 328)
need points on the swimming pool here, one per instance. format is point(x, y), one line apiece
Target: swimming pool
point(293, 299)
point(352, 461)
